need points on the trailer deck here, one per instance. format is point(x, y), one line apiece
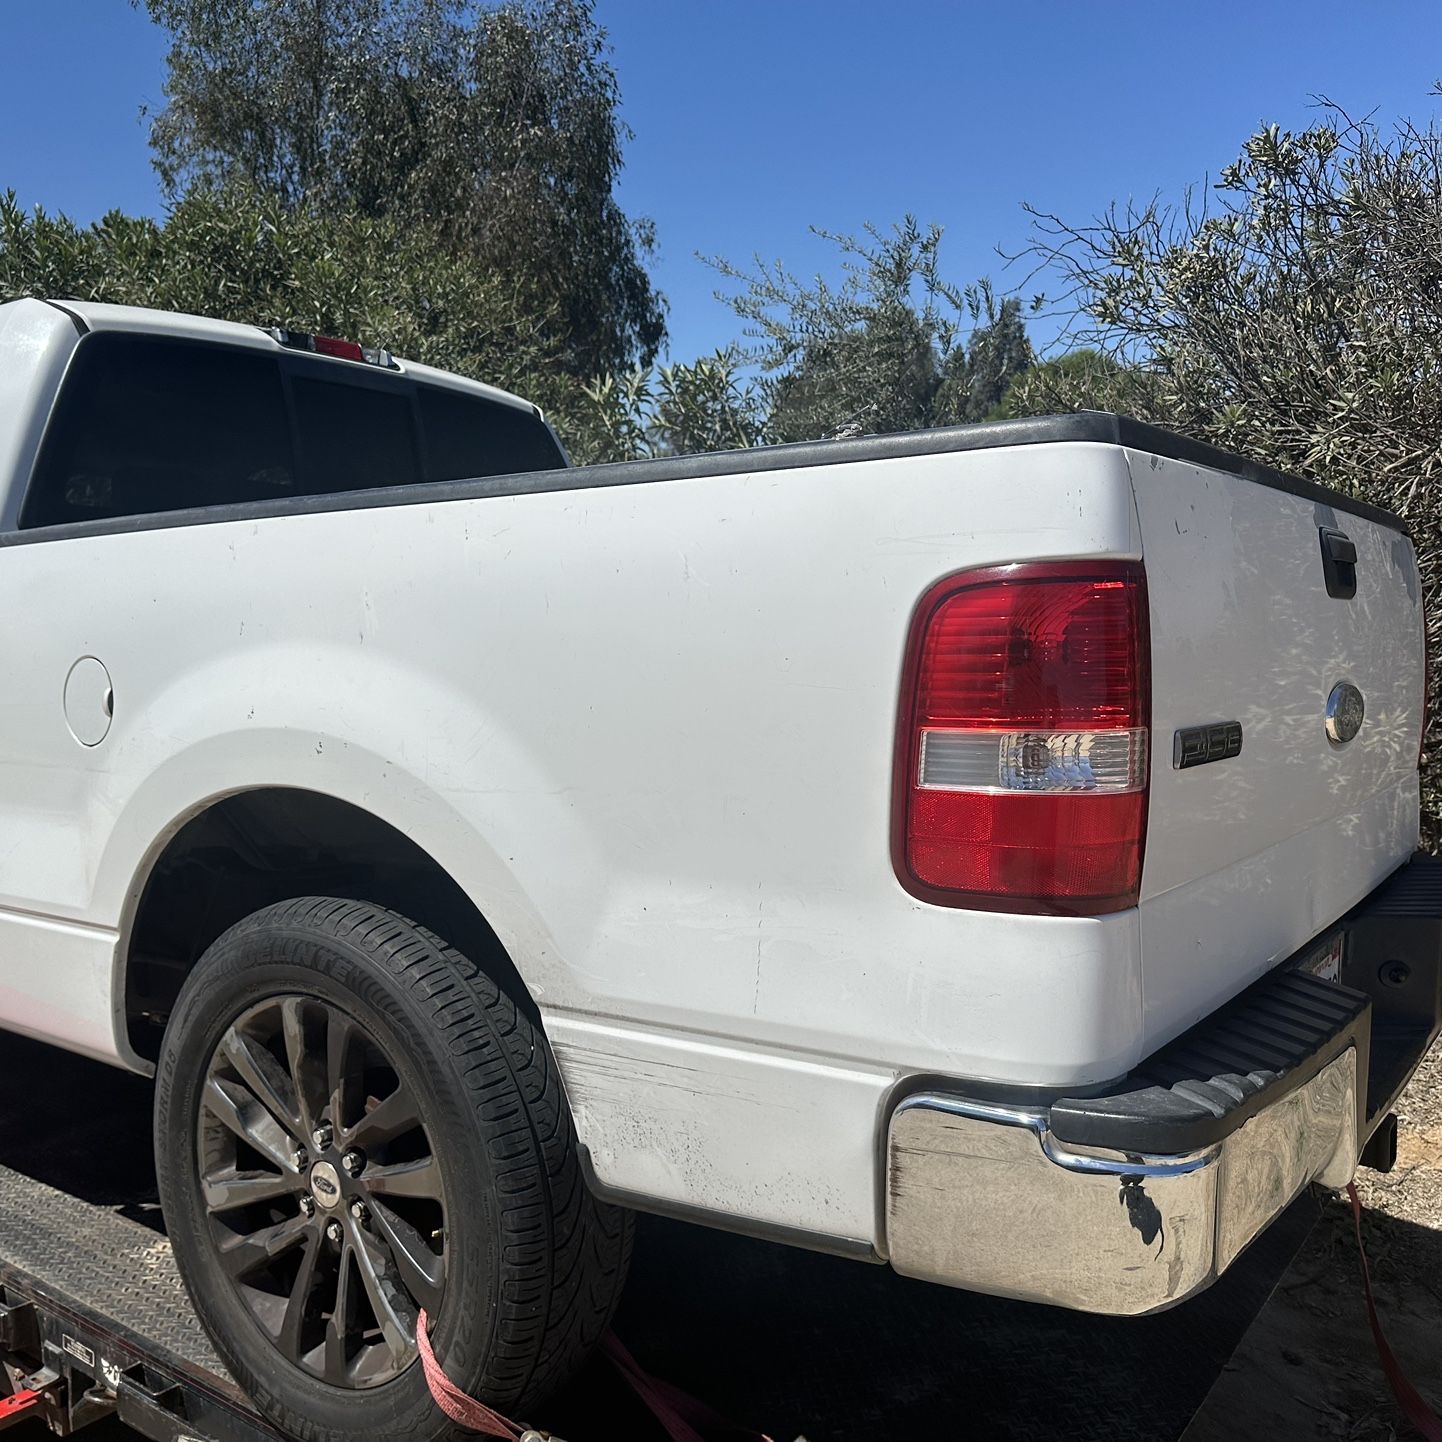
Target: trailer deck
point(94, 1318)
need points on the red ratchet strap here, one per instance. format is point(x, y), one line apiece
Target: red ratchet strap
point(681, 1414)
point(1414, 1408)
point(464, 1411)
point(18, 1405)
point(678, 1412)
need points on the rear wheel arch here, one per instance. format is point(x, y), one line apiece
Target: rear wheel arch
point(239, 852)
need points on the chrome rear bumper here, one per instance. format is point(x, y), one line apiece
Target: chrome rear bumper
point(985, 1197)
point(1132, 1198)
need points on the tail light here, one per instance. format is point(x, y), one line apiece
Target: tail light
point(329, 345)
point(1022, 748)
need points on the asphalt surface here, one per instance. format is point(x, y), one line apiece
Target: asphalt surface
point(789, 1342)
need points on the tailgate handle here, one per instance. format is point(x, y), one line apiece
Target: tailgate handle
point(1339, 563)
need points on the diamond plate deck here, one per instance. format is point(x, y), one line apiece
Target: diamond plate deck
point(93, 1259)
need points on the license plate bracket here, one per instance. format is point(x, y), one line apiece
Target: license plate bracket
point(1324, 959)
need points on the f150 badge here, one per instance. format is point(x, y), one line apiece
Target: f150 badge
point(1345, 712)
point(1197, 745)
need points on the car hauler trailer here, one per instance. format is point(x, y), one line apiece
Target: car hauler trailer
point(95, 1323)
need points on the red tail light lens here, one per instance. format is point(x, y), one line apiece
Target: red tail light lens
point(341, 349)
point(328, 345)
point(1022, 752)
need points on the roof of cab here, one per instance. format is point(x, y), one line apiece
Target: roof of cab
point(140, 321)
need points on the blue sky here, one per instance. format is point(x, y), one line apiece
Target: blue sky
point(754, 120)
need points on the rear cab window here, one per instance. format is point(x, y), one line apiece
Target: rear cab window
point(353, 436)
point(467, 435)
point(149, 424)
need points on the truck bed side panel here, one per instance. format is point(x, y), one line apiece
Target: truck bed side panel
point(650, 729)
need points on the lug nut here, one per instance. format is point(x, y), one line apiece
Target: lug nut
point(307, 1205)
point(359, 1212)
point(333, 1233)
point(322, 1137)
point(353, 1162)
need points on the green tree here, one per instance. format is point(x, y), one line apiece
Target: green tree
point(882, 349)
point(1082, 378)
point(244, 255)
point(977, 377)
point(494, 127)
point(672, 410)
point(240, 255)
point(1295, 316)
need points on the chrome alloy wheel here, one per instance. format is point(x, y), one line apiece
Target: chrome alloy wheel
point(323, 1195)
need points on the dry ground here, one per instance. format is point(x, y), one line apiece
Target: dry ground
point(1307, 1367)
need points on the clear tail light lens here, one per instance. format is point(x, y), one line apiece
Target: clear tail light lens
point(1022, 752)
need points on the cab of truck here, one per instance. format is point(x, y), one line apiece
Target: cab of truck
point(150, 414)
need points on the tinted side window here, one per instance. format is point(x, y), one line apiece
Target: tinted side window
point(353, 437)
point(470, 436)
point(145, 424)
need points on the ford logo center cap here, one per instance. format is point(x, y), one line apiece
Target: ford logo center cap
point(1345, 710)
point(325, 1184)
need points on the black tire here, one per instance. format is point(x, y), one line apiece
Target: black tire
point(531, 1265)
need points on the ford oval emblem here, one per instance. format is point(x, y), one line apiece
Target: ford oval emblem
point(325, 1184)
point(1345, 710)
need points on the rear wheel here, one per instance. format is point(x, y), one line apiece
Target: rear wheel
point(353, 1124)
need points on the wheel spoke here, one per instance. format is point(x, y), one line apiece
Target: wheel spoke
point(339, 1045)
point(393, 1117)
point(420, 1178)
point(232, 1104)
point(393, 1312)
point(420, 1270)
point(241, 1189)
point(337, 1329)
point(243, 1254)
point(295, 1307)
point(305, 1078)
point(264, 1076)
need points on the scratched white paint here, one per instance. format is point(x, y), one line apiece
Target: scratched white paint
point(782, 1140)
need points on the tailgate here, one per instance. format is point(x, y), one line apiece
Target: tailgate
point(1250, 854)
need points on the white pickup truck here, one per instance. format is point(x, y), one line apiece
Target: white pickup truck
point(989, 851)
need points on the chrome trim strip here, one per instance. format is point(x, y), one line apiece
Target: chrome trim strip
point(1116, 1165)
point(1033, 1118)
